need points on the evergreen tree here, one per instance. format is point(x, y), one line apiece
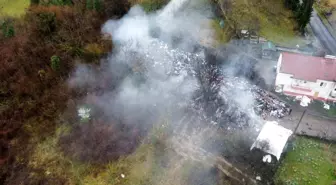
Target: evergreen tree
point(89, 4)
point(304, 13)
point(55, 62)
point(97, 5)
point(34, 2)
point(294, 5)
point(7, 29)
point(67, 2)
point(10, 32)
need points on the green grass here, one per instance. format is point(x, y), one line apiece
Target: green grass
point(13, 8)
point(318, 107)
point(222, 34)
point(332, 111)
point(270, 18)
point(311, 162)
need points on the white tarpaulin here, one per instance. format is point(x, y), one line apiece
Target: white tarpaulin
point(272, 138)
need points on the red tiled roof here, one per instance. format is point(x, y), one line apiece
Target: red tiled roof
point(308, 68)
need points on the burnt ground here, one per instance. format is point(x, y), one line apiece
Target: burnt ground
point(236, 132)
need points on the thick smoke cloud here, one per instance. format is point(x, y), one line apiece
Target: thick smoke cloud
point(159, 74)
point(158, 69)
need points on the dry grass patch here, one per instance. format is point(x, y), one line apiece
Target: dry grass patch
point(13, 8)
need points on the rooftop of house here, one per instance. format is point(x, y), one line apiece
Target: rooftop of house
point(309, 68)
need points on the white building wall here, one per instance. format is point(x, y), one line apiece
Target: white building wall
point(333, 92)
point(283, 79)
point(324, 90)
point(287, 83)
point(301, 87)
point(279, 64)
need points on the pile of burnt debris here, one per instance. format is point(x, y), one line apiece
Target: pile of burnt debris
point(267, 105)
point(262, 103)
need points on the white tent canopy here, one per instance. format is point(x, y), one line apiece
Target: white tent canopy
point(272, 138)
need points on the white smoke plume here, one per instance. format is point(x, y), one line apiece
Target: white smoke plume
point(156, 49)
point(153, 71)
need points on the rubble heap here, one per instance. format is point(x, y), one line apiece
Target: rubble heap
point(263, 103)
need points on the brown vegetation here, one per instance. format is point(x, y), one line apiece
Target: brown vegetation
point(100, 142)
point(32, 92)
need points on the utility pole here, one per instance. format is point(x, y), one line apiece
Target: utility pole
point(297, 126)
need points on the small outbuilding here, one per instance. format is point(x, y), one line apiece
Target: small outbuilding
point(272, 139)
point(269, 50)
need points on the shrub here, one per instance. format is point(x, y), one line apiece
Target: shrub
point(56, 2)
point(94, 5)
point(94, 49)
point(10, 31)
point(89, 4)
point(47, 22)
point(55, 62)
point(97, 5)
point(153, 5)
point(7, 29)
point(73, 50)
point(34, 2)
point(116, 7)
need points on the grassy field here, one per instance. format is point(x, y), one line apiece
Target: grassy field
point(311, 162)
point(13, 8)
point(270, 18)
point(222, 35)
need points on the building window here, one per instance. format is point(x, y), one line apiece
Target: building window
point(321, 84)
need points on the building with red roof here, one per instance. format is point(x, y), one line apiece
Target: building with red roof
point(303, 75)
